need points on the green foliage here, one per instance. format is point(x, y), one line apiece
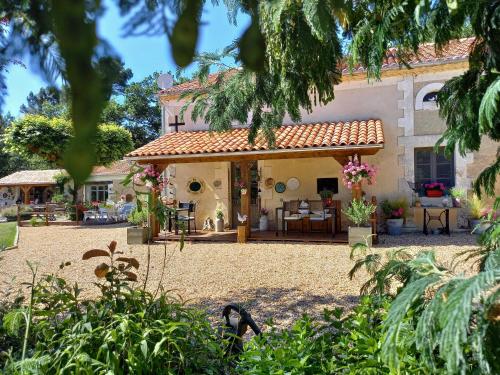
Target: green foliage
point(138, 217)
point(388, 273)
point(458, 193)
point(36, 221)
point(7, 234)
point(359, 211)
point(126, 330)
point(219, 213)
point(452, 318)
point(476, 207)
point(389, 206)
point(50, 138)
point(341, 346)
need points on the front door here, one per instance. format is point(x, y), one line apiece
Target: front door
point(236, 195)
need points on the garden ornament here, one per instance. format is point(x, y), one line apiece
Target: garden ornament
point(235, 327)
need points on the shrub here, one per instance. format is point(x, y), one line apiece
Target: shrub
point(10, 211)
point(476, 207)
point(359, 212)
point(125, 330)
point(139, 218)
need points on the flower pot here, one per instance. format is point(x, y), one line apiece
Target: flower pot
point(327, 202)
point(478, 227)
point(456, 202)
point(434, 193)
point(360, 235)
point(243, 191)
point(394, 226)
point(219, 225)
point(263, 223)
point(137, 235)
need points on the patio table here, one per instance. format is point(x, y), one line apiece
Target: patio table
point(445, 227)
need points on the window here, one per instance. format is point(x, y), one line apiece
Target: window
point(430, 97)
point(432, 167)
point(99, 193)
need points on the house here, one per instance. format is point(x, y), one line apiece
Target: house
point(105, 183)
point(40, 185)
point(392, 123)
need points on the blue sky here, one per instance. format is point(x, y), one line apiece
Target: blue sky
point(144, 55)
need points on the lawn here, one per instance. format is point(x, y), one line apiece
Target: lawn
point(7, 234)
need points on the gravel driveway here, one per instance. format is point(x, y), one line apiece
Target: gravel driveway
point(274, 280)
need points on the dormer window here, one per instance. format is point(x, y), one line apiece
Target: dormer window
point(426, 98)
point(431, 97)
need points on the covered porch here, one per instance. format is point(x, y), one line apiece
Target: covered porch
point(300, 151)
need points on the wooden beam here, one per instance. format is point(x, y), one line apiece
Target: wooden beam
point(26, 192)
point(342, 159)
point(245, 198)
point(153, 204)
point(249, 156)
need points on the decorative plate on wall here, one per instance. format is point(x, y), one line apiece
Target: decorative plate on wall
point(195, 186)
point(280, 187)
point(269, 183)
point(293, 183)
point(217, 184)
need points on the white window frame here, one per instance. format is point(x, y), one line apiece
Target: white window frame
point(419, 99)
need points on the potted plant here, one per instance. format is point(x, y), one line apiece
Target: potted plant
point(478, 215)
point(395, 212)
point(263, 221)
point(434, 189)
point(457, 195)
point(354, 172)
point(326, 197)
point(219, 220)
point(359, 212)
point(241, 186)
point(139, 232)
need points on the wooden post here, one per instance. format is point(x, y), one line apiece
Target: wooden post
point(26, 192)
point(18, 215)
point(153, 220)
point(374, 221)
point(357, 191)
point(46, 214)
point(246, 198)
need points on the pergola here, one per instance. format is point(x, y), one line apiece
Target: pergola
point(342, 141)
point(27, 180)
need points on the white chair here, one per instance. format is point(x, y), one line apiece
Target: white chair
point(89, 215)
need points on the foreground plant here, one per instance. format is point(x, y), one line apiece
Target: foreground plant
point(125, 330)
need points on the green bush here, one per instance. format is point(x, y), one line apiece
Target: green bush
point(125, 331)
point(340, 346)
point(359, 212)
point(139, 218)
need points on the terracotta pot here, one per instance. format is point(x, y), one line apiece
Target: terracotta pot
point(434, 193)
point(356, 191)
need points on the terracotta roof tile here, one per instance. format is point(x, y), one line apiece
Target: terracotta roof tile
point(302, 136)
point(456, 50)
point(116, 168)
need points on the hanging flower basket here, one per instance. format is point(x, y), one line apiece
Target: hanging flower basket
point(353, 173)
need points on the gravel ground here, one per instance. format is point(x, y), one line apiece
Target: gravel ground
point(273, 280)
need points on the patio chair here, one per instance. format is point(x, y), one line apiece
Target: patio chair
point(191, 214)
point(125, 211)
point(318, 214)
point(103, 215)
point(291, 215)
point(90, 215)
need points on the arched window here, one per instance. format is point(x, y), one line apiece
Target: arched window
point(426, 98)
point(430, 97)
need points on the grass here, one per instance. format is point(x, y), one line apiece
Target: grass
point(7, 233)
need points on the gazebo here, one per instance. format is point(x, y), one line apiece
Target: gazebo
point(26, 186)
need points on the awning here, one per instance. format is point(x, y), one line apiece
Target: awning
point(364, 137)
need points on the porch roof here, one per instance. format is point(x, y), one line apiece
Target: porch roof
point(31, 178)
point(305, 140)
